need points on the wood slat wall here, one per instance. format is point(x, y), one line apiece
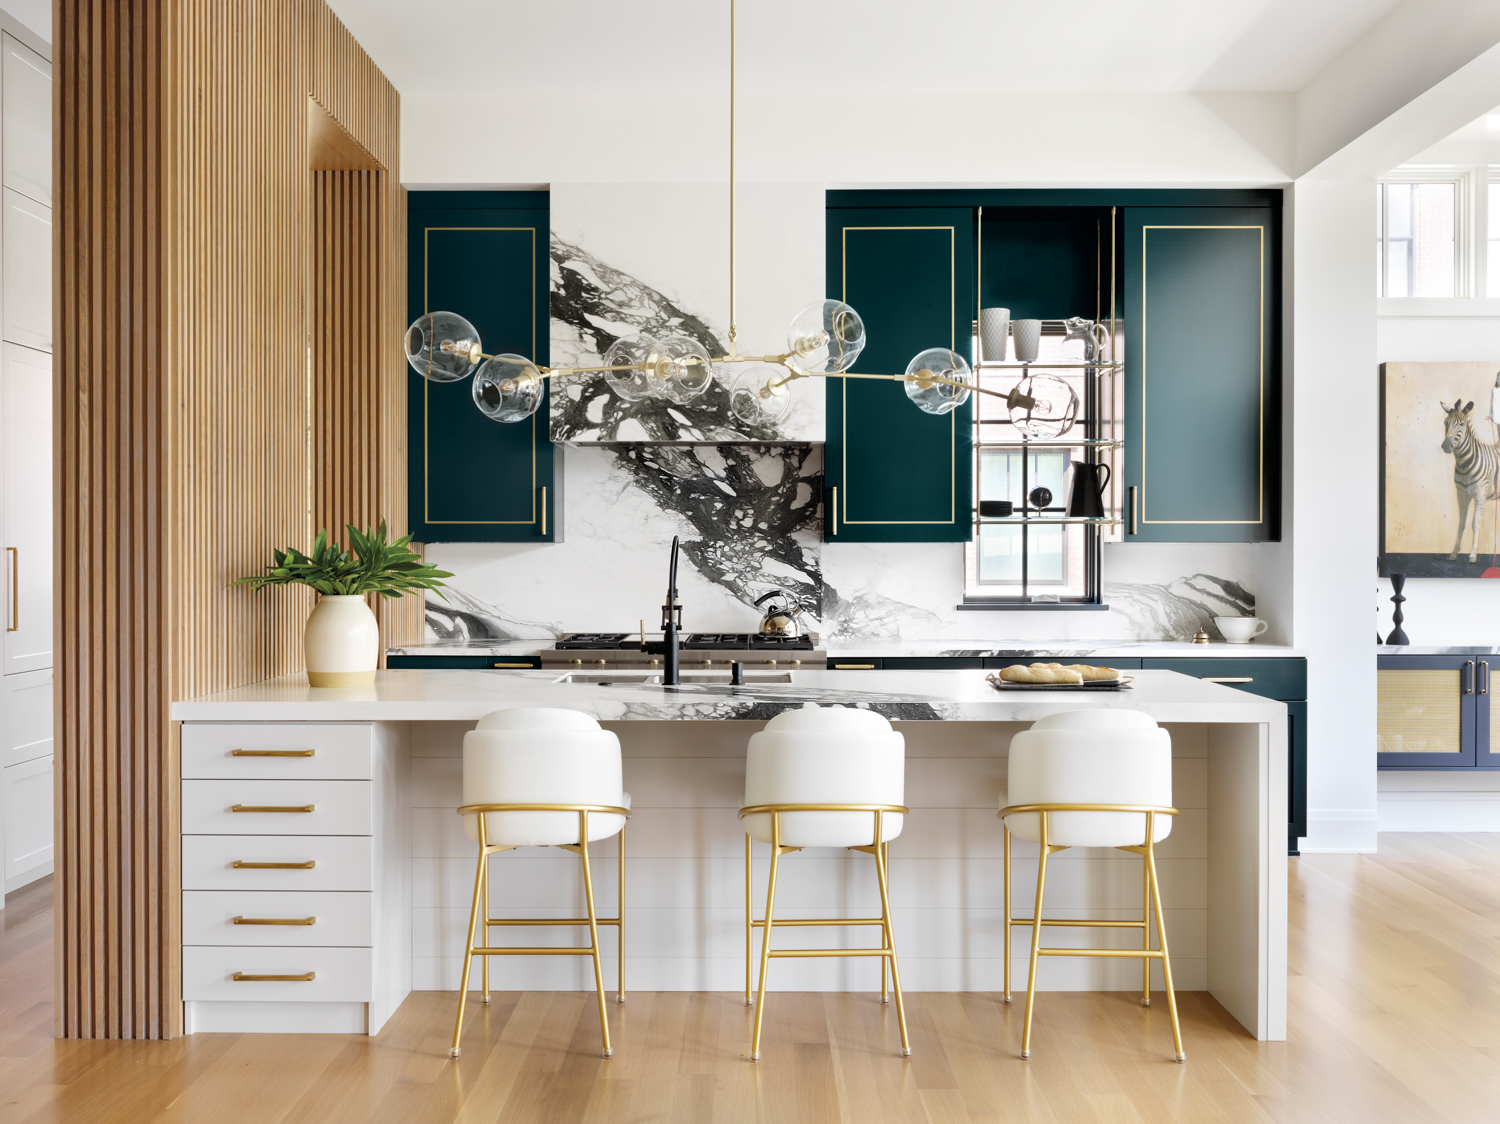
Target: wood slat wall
point(228, 377)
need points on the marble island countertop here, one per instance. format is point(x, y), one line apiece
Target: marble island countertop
point(911, 696)
point(949, 649)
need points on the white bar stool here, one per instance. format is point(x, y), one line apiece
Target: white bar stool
point(824, 777)
point(1092, 778)
point(542, 778)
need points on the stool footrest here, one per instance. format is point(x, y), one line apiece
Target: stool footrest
point(832, 952)
point(552, 921)
point(1083, 924)
point(822, 921)
point(531, 952)
point(1129, 953)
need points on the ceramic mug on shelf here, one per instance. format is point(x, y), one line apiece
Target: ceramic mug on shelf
point(1028, 337)
point(1241, 630)
point(994, 327)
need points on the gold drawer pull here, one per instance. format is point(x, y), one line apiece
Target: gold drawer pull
point(275, 921)
point(523, 666)
point(240, 864)
point(1226, 679)
point(273, 808)
point(272, 752)
point(854, 667)
point(306, 977)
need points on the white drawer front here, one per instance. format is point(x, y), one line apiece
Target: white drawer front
point(340, 862)
point(209, 917)
point(340, 975)
point(271, 751)
point(338, 807)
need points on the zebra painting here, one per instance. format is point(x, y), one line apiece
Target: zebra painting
point(1476, 470)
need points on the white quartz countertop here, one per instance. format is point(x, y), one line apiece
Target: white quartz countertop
point(911, 696)
point(883, 648)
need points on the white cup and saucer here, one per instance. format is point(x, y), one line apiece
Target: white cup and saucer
point(1241, 630)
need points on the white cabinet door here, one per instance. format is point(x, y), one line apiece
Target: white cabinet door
point(26, 270)
point(26, 121)
point(26, 798)
point(25, 717)
point(26, 498)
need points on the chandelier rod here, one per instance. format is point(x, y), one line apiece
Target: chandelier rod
point(733, 330)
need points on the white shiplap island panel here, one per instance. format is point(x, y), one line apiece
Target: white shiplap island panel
point(1223, 868)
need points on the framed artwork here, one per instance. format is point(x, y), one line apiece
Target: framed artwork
point(1440, 469)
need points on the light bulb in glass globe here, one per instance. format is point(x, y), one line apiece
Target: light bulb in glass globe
point(826, 337)
point(442, 346)
point(922, 380)
point(681, 369)
point(1043, 407)
point(508, 388)
point(752, 402)
point(627, 351)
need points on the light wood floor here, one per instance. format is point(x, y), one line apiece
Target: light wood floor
point(1395, 1016)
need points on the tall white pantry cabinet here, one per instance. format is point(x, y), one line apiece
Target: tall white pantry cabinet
point(25, 459)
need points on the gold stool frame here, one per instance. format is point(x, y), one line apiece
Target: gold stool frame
point(481, 906)
point(1150, 895)
point(880, 849)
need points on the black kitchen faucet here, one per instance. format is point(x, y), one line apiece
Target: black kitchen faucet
point(671, 622)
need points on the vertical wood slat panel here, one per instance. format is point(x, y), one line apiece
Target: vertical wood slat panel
point(223, 384)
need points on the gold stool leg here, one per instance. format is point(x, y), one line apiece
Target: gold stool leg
point(484, 941)
point(1007, 912)
point(1161, 936)
point(1145, 931)
point(882, 870)
point(588, 892)
point(620, 928)
point(481, 873)
point(749, 922)
point(765, 936)
point(1036, 942)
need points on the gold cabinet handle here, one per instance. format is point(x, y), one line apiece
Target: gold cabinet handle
point(1135, 527)
point(1468, 677)
point(15, 589)
point(273, 808)
point(1484, 686)
point(240, 864)
point(854, 667)
point(275, 921)
point(306, 977)
point(523, 666)
point(272, 752)
point(544, 510)
point(1226, 679)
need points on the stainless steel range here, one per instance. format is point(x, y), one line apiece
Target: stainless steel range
point(701, 651)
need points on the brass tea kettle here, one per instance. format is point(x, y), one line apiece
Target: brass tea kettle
point(780, 619)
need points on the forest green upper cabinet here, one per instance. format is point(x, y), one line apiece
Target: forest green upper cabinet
point(894, 473)
point(1202, 374)
point(483, 255)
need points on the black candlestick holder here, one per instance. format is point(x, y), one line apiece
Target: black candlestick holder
point(1397, 636)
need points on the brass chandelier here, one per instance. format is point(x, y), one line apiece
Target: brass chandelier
point(823, 341)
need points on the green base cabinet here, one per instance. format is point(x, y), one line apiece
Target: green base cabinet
point(1202, 374)
point(894, 473)
point(483, 255)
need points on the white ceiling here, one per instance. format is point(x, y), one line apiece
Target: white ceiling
point(437, 47)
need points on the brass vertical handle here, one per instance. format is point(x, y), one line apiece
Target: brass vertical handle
point(834, 509)
point(1468, 677)
point(15, 589)
point(544, 509)
point(1135, 527)
point(1484, 684)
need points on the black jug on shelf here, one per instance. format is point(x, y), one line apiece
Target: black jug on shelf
point(1086, 497)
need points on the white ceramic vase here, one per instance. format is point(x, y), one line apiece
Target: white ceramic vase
point(341, 643)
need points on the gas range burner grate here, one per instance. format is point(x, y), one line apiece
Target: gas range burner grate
point(575, 641)
point(745, 641)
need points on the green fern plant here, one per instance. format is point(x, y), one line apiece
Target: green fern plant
point(371, 565)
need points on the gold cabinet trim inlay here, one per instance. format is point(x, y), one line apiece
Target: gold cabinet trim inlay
point(1260, 483)
point(426, 386)
point(843, 519)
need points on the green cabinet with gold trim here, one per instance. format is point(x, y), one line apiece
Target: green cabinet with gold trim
point(1202, 374)
point(483, 255)
point(894, 473)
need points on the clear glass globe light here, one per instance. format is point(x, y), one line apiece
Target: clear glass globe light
point(508, 388)
point(826, 337)
point(933, 396)
point(681, 370)
point(626, 351)
point(1043, 407)
point(442, 346)
point(752, 403)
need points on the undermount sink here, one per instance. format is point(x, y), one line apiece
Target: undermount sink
point(653, 678)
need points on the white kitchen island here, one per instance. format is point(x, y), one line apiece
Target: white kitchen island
point(382, 864)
